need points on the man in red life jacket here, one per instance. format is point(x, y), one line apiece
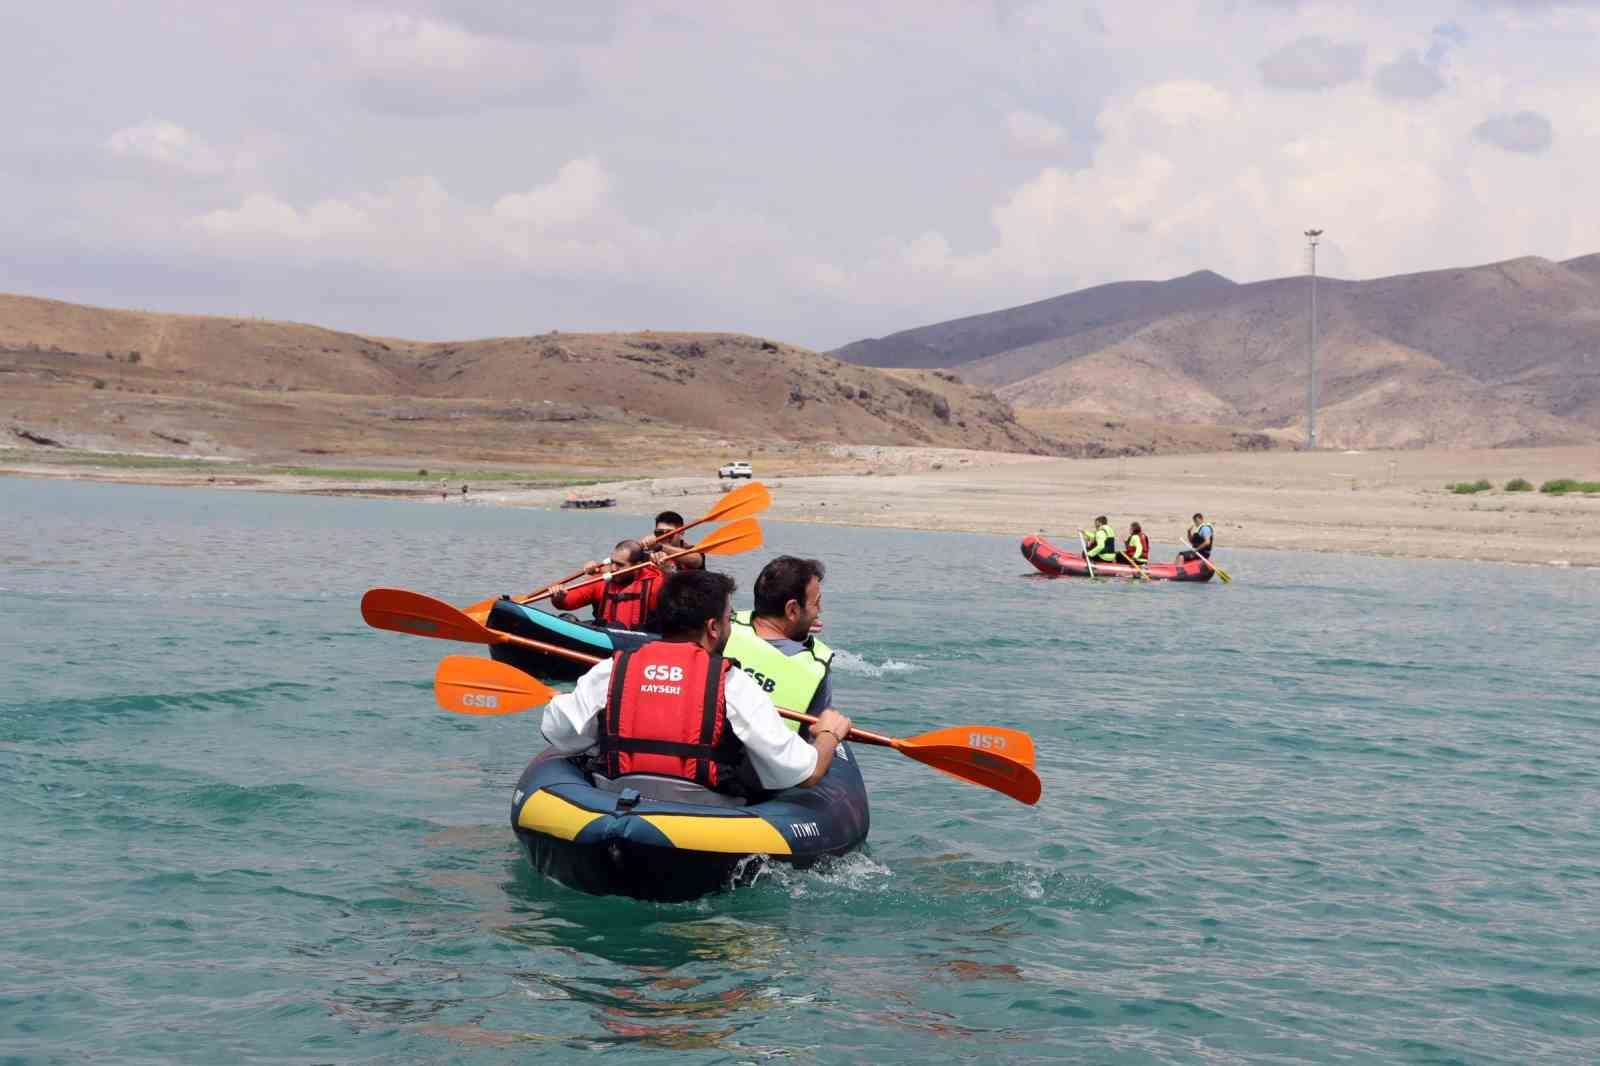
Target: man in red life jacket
point(663, 537)
point(676, 707)
point(626, 602)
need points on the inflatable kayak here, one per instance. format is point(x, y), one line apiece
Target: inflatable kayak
point(1053, 561)
point(564, 631)
point(661, 838)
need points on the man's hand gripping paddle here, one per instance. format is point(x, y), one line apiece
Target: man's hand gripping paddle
point(991, 756)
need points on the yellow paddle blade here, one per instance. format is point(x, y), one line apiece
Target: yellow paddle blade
point(468, 685)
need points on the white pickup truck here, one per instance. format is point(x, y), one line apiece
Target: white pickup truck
point(740, 468)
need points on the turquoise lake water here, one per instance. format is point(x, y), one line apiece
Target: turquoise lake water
point(1342, 810)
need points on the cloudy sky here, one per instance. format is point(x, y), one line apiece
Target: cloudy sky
point(815, 173)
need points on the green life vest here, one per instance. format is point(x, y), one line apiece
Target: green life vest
point(791, 680)
point(1104, 548)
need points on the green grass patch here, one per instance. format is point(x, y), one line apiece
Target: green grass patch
point(1563, 485)
point(1519, 484)
point(1467, 488)
point(179, 464)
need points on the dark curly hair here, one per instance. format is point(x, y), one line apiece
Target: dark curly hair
point(689, 599)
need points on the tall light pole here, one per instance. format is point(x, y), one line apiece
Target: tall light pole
point(1311, 347)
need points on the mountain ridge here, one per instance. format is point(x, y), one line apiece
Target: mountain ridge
point(1493, 355)
point(72, 371)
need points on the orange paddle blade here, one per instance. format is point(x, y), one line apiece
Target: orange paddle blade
point(404, 611)
point(469, 685)
point(1013, 779)
point(742, 502)
point(1012, 744)
point(733, 538)
point(991, 756)
point(479, 612)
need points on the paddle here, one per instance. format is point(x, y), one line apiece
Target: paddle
point(733, 538)
point(742, 502)
point(459, 686)
point(1083, 543)
point(996, 758)
point(1131, 562)
point(1219, 571)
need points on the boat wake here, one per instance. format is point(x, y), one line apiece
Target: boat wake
point(855, 872)
point(851, 663)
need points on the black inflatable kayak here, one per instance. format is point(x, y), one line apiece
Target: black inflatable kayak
point(563, 631)
point(660, 838)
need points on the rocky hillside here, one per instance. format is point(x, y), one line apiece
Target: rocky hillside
point(71, 371)
point(1498, 355)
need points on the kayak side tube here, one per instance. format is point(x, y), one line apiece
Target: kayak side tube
point(508, 616)
point(1048, 559)
point(609, 842)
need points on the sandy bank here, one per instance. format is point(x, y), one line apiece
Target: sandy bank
point(1387, 503)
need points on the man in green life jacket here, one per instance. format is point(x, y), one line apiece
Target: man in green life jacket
point(1102, 542)
point(776, 645)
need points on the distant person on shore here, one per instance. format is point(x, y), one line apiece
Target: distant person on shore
point(1200, 534)
point(625, 602)
point(1102, 541)
point(666, 523)
point(1137, 548)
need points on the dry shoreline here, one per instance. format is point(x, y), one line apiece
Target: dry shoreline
point(1376, 503)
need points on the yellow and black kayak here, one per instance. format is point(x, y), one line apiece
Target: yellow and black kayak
point(659, 838)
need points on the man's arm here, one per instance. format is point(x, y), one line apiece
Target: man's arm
point(582, 596)
point(571, 721)
point(780, 757)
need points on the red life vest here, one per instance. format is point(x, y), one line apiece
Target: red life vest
point(630, 606)
point(1138, 547)
point(665, 714)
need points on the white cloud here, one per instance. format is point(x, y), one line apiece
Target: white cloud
point(1189, 174)
point(167, 145)
point(815, 173)
point(415, 64)
point(1030, 133)
point(570, 225)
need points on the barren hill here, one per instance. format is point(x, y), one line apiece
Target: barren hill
point(1497, 355)
point(124, 379)
point(1106, 310)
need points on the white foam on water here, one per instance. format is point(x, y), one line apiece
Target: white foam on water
point(851, 663)
point(855, 872)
